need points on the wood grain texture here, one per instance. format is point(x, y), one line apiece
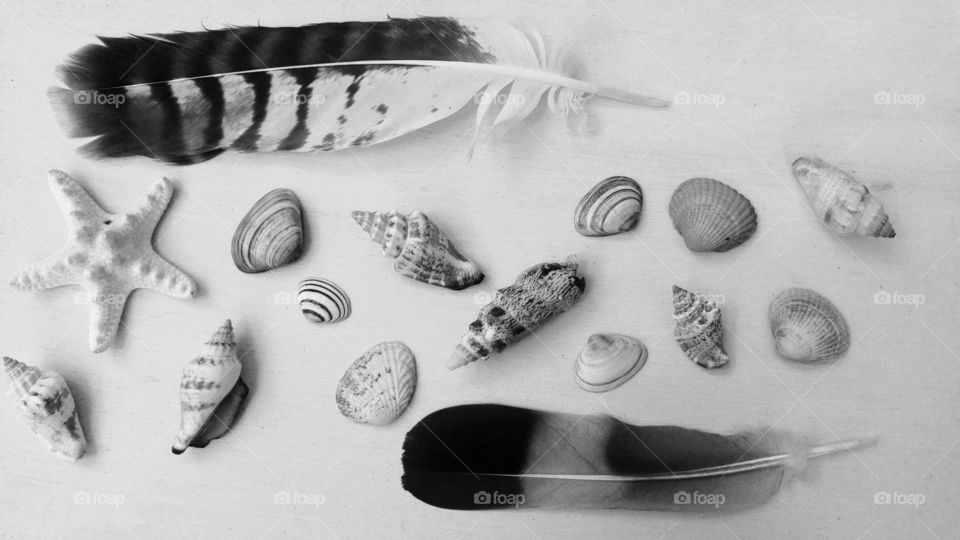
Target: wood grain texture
point(794, 77)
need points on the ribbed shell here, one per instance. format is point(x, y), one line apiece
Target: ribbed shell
point(699, 329)
point(270, 235)
point(711, 216)
point(841, 203)
point(378, 386)
point(611, 207)
point(323, 301)
point(807, 327)
point(607, 361)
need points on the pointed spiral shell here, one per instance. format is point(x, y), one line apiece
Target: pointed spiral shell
point(699, 329)
point(841, 203)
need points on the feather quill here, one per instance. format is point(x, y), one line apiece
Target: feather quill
point(475, 457)
point(186, 97)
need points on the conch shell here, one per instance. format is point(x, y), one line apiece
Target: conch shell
point(699, 330)
point(377, 387)
point(211, 392)
point(807, 327)
point(420, 250)
point(539, 293)
point(45, 404)
point(844, 205)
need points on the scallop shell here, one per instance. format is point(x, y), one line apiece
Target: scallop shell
point(699, 329)
point(807, 327)
point(711, 216)
point(378, 386)
point(610, 207)
point(44, 403)
point(420, 250)
point(270, 235)
point(323, 301)
point(607, 361)
point(844, 205)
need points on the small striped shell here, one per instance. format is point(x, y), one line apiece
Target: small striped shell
point(711, 216)
point(323, 301)
point(807, 327)
point(607, 361)
point(699, 329)
point(270, 235)
point(841, 203)
point(611, 207)
point(377, 387)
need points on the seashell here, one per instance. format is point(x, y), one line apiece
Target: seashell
point(607, 361)
point(419, 249)
point(539, 293)
point(322, 301)
point(711, 216)
point(211, 392)
point(844, 205)
point(44, 403)
point(699, 330)
point(270, 235)
point(807, 327)
point(610, 207)
point(378, 386)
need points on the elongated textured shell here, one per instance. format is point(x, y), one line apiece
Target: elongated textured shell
point(43, 401)
point(699, 330)
point(378, 386)
point(611, 207)
point(322, 301)
point(711, 216)
point(419, 249)
point(807, 327)
point(607, 361)
point(539, 293)
point(841, 203)
point(270, 235)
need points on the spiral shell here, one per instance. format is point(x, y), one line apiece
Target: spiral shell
point(378, 386)
point(270, 235)
point(844, 205)
point(610, 207)
point(323, 301)
point(607, 361)
point(711, 216)
point(44, 403)
point(807, 327)
point(539, 293)
point(699, 329)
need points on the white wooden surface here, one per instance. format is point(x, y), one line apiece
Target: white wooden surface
point(794, 77)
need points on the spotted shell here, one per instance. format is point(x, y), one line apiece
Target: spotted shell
point(807, 327)
point(323, 301)
point(711, 216)
point(270, 235)
point(610, 207)
point(607, 361)
point(699, 329)
point(378, 386)
point(841, 203)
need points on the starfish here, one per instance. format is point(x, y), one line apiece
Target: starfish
point(109, 255)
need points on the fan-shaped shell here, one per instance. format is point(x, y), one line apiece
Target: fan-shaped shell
point(322, 301)
point(611, 207)
point(270, 235)
point(844, 205)
point(607, 361)
point(807, 327)
point(699, 329)
point(378, 386)
point(711, 216)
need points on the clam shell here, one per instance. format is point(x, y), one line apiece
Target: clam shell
point(711, 216)
point(699, 329)
point(378, 386)
point(270, 235)
point(323, 301)
point(607, 361)
point(807, 327)
point(841, 203)
point(610, 207)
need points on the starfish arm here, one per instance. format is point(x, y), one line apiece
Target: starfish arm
point(154, 272)
point(75, 203)
point(106, 307)
point(158, 197)
point(52, 272)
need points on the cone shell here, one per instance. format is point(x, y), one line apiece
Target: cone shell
point(270, 235)
point(611, 207)
point(699, 329)
point(807, 327)
point(539, 293)
point(711, 216)
point(378, 386)
point(607, 361)
point(420, 250)
point(206, 382)
point(841, 203)
point(323, 301)
point(42, 401)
